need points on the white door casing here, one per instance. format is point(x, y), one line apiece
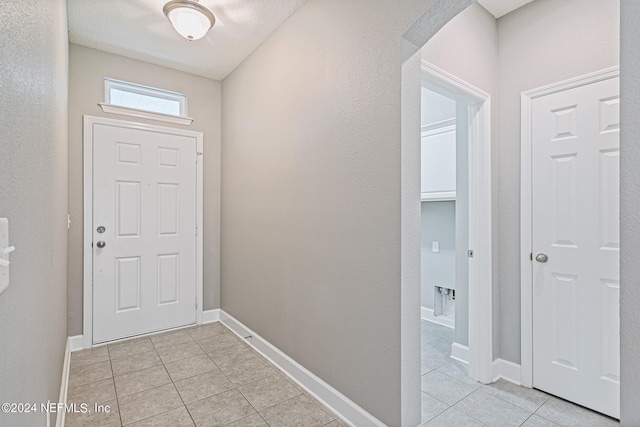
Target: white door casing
point(574, 184)
point(145, 188)
point(480, 240)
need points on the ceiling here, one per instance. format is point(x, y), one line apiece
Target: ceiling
point(499, 8)
point(138, 29)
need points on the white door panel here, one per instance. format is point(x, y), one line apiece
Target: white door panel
point(144, 278)
point(575, 191)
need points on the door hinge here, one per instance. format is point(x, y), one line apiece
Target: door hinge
point(470, 253)
point(68, 221)
point(198, 155)
point(196, 230)
point(531, 256)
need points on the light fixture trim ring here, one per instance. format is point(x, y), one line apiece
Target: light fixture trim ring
point(189, 4)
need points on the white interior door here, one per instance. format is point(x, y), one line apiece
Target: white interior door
point(144, 231)
point(575, 224)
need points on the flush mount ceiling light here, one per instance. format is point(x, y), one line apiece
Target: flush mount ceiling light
point(190, 19)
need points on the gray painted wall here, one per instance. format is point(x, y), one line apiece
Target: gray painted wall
point(545, 41)
point(437, 268)
point(311, 250)
point(467, 47)
point(87, 70)
point(629, 218)
point(33, 195)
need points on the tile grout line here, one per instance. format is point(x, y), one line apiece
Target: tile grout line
point(179, 395)
point(254, 408)
point(235, 387)
point(513, 404)
point(433, 397)
point(113, 378)
point(154, 348)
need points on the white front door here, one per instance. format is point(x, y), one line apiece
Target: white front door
point(144, 231)
point(576, 245)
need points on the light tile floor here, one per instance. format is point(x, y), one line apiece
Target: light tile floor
point(202, 376)
point(206, 376)
point(451, 399)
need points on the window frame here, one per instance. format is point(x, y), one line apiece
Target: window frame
point(139, 89)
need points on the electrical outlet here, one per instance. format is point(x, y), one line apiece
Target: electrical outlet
point(435, 246)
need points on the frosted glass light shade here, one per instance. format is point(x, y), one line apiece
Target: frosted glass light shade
point(190, 19)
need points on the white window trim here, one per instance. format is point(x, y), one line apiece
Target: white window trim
point(181, 98)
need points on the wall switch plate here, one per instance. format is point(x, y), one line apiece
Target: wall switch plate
point(4, 244)
point(435, 246)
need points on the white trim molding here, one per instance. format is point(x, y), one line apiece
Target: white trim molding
point(437, 196)
point(526, 220)
point(133, 112)
point(210, 316)
point(335, 401)
point(509, 371)
point(88, 126)
point(427, 314)
point(460, 352)
point(480, 230)
point(437, 128)
point(64, 384)
point(76, 343)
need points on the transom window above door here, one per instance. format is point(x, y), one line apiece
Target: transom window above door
point(138, 100)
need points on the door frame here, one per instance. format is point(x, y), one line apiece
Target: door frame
point(480, 216)
point(88, 126)
point(526, 205)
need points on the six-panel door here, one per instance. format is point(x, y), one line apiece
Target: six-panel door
point(144, 197)
point(575, 187)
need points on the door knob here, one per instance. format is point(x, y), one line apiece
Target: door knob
point(542, 258)
point(101, 244)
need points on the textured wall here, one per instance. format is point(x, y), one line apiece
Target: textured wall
point(544, 42)
point(629, 218)
point(33, 195)
point(87, 70)
point(311, 181)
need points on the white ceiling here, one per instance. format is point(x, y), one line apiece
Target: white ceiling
point(138, 29)
point(502, 7)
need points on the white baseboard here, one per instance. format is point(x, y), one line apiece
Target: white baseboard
point(427, 314)
point(64, 383)
point(76, 343)
point(506, 370)
point(209, 316)
point(323, 392)
point(460, 352)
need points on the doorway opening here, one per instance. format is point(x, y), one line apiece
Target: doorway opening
point(444, 276)
point(455, 222)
